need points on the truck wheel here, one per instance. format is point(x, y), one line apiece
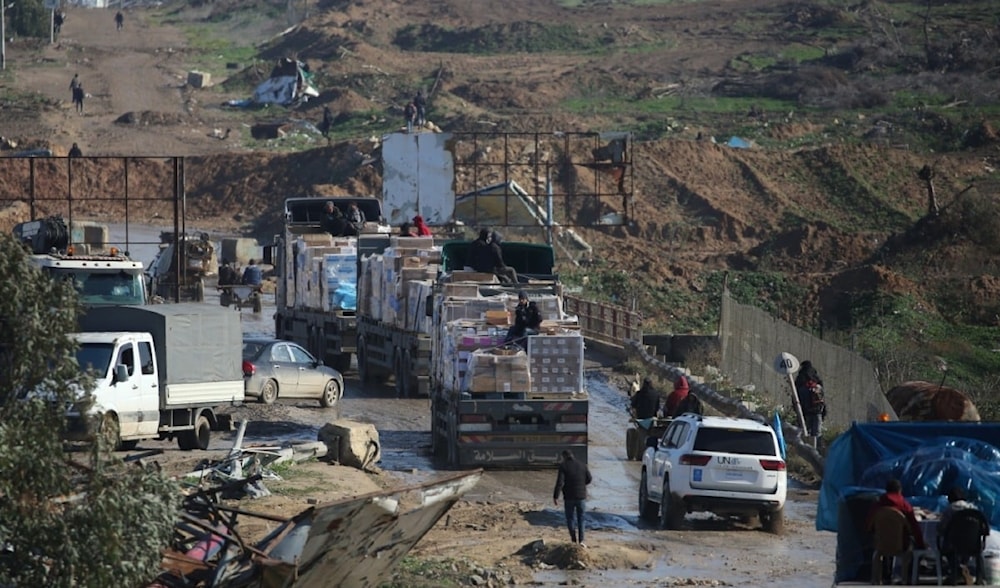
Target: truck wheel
point(671, 509)
point(773, 521)
point(331, 393)
point(363, 372)
point(342, 362)
point(409, 381)
point(399, 374)
point(197, 438)
point(269, 393)
point(647, 508)
point(110, 431)
point(225, 298)
point(630, 440)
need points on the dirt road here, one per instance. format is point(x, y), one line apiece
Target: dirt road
point(137, 70)
point(510, 509)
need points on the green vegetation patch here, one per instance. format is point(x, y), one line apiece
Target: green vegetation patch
point(516, 37)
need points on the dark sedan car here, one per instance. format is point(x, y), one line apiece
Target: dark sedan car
point(273, 368)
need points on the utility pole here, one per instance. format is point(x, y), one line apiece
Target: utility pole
point(3, 36)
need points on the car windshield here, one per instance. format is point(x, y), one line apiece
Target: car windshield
point(737, 441)
point(251, 349)
point(95, 356)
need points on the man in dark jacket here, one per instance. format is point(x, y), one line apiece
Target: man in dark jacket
point(481, 257)
point(485, 256)
point(527, 319)
point(809, 388)
point(333, 221)
point(646, 401)
point(572, 481)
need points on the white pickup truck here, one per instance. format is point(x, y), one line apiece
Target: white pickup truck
point(160, 371)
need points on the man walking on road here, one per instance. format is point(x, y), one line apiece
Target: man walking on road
point(78, 97)
point(572, 481)
point(119, 21)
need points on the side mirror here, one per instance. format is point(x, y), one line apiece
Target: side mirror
point(121, 373)
point(652, 441)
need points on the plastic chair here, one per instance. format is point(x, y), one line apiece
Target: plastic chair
point(930, 553)
point(892, 539)
point(964, 538)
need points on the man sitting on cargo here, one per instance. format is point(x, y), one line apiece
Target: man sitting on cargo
point(252, 275)
point(527, 319)
point(227, 274)
point(485, 256)
point(333, 220)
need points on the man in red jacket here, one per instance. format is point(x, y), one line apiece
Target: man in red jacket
point(893, 498)
point(676, 397)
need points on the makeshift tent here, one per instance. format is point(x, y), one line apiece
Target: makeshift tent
point(289, 84)
point(927, 458)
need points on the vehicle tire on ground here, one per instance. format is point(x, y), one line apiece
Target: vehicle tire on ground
point(199, 291)
point(409, 385)
point(341, 362)
point(269, 393)
point(225, 297)
point(631, 436)
point(773, 521)
point(257, 303)
point(110, 431)
point(197, 438)
point(364, 374)
point(399, 373)
point(331, 394)
point(671, 509)
point(647, 508)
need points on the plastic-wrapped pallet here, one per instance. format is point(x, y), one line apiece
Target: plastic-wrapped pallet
point(340, 279)
point(492, 370)
point(556, 363)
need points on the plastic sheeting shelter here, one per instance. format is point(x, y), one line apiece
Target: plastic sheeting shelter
point(927, 458)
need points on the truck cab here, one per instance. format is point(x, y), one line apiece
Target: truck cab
point(126, 382)
point(102, 278)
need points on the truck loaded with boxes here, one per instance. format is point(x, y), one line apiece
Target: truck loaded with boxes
point(316, 296)
point(439, 330)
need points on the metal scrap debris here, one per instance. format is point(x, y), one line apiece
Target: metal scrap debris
point(356, 541)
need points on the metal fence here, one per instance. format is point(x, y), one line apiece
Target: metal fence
point(605, 322)
point(751, 339)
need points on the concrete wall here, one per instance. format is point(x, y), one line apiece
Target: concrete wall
point(751, 340)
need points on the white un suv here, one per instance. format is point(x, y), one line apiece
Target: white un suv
point(727, 466)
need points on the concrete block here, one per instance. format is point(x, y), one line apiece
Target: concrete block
point(240, 250)
point(199, 79)
point(351, 443)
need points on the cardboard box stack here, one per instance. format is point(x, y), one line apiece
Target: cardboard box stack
point(556, 363)
point(493, 370)
point(466, 358)
point(459, 340)
point(321, 272)
point(396, 284)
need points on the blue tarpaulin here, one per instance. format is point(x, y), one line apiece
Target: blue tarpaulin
point(927, 458)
